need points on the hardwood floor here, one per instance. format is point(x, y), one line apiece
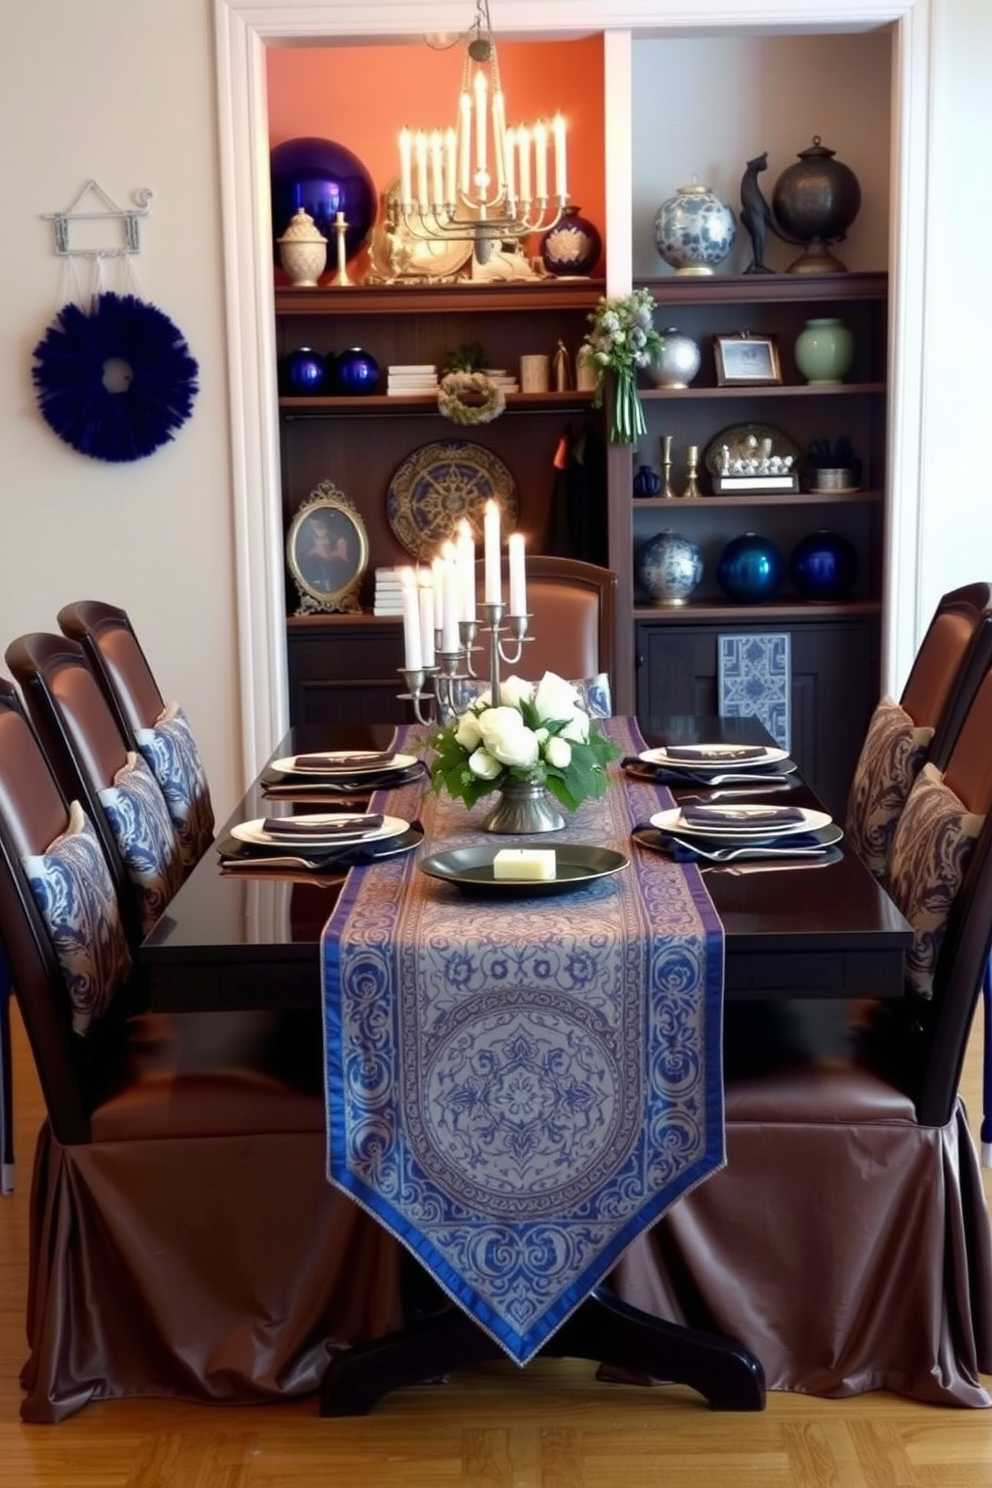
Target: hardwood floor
point(551, 1427)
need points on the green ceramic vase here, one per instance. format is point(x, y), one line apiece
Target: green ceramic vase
point(825, 350)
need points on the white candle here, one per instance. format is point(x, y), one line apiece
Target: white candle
point(421, 154)
point(490, 532)
point(541, 158)
point(412, 650)
point(499, 140)
point(518, 578)
point(450, 165)
point(450, 641)
point(523, 147)
point(509, 146)
point(437, 179)
point(405, 158)
point(466, 570)
point(437, 583)
point(561, 177)
point(464, 143)
point(481, 122)
point(425, 594)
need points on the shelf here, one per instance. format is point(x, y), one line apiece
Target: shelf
point(466, 297)
point(768, 289)
point(792, 390)
point(425, 403)
point(761, 498)
point(738, 614)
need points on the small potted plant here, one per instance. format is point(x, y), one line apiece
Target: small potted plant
point(833, 465)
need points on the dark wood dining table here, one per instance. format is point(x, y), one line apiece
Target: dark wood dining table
point(232, 940)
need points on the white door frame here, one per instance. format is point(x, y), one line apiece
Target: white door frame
point(245, 28)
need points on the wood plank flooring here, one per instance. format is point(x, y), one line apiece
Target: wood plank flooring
point(550, 1427)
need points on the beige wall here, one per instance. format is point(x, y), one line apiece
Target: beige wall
point(123, 91)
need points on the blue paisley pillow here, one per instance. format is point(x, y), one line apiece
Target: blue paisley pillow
point(171, 752)
point(73, 889)
point(143, 831)
point(931, 849)
point(891, 758)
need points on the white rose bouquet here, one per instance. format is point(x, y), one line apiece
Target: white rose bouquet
point(622, 339)
point(540, 734)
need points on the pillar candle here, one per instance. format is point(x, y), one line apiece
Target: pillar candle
point(413, 656)
point(449, 626)
point(518, 578)
point(490, 531)
point(561, 174)
point(425, 594)
point(437, 579)
point(466, 570)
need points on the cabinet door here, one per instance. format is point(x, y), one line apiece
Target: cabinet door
point(834, 687)
point(343, 671)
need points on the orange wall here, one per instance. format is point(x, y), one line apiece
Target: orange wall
point(361, 96)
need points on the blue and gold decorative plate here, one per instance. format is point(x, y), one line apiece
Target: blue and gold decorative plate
point(439, 484)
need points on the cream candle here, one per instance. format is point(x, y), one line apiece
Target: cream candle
point(420, 151)
point(465, 543)
point(518, 578)
point(406, 182)
point(523, 149)
point(449, 624)
point(413, 657)
point(425, 596)
point(464, 144)
point(541, 159)
point(490, 532)
point(450, 166)
point(481, 120)
point(561, 172)
point(437, 582)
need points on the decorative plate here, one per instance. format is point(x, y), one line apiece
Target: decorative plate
point(472, 868)
point(395, 253)
point(738, 439)
point(438, 484)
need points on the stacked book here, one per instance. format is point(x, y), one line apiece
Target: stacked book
point(388, 598)
point(411, 381)
point(502, 379)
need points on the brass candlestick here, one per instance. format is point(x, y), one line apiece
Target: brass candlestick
point(666, 461)
point(692, 473)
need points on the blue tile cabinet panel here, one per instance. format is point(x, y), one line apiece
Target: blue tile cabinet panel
point(834, 686)
point(754, 680)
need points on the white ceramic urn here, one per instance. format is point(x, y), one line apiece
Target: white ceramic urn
point(303, 250)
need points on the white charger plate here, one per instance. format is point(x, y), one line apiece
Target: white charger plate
point(334, 765)
point(254, 832)
point(714, 757)
point(671, 821)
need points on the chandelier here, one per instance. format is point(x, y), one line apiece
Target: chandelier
point(480, 180)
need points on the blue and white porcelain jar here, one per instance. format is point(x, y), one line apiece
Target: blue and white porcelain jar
point(694, 230)
point(669, 567)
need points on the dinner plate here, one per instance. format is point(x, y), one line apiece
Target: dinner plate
point(254, 832)
point(343, 762)
point(440, 483)
point(820, 846)
point(336, 859)
point(472, 868)
point(715, 757)
point(671, 821)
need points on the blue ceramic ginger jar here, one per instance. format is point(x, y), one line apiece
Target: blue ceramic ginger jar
point(694, 230)
point(750, 569)
point(669, 567)
point(304, 373)
point(355, 372)
point(824, 566)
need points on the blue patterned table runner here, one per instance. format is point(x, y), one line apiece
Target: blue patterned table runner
point(517, 1087)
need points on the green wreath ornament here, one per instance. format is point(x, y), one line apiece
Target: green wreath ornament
point(470, 398)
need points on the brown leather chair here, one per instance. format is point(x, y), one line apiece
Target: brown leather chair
point(572, 606)
point(949, 664)
point(185, 1242)
point(846, 1243)
point(118, 662)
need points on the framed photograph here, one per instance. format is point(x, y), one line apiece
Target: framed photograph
point(742, 359)
point(327, 550)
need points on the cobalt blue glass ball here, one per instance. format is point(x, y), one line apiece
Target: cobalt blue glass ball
point(823, 565)
point(324, 178)
point(304, 372)
point(355, 372)
point(750, 569)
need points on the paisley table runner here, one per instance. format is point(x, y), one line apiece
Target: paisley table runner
point(517, 1087)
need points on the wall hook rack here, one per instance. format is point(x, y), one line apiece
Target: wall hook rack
point(83, 209)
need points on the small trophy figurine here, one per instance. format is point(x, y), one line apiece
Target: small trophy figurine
point(692, 472)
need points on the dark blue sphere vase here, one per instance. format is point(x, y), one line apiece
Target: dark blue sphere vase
point(304, 373)
point(572, 247)
point(750, 568)
point(354, 372)
point(824, 566)
point(324, 178)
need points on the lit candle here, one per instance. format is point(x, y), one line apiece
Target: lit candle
point(413, 652)
point(449, 628)
point(509, 146)
point(499, 140)
point(437, 179)
point(523, 147)
point(490, 532)
point(425, 594)
point(466, 570)
point(405, 182)
point(437, 582)
point(464, 144)
point(420, 148)
point(558, 133)
point(518, 577)
point(481, 123)
point(450, 165)
point(541, 158)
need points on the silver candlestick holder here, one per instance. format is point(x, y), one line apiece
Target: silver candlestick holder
point(455, 667)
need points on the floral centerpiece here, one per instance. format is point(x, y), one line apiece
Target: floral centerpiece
point(622, 339)
point(539, 737)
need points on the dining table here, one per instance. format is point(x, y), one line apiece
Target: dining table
point(242, 935)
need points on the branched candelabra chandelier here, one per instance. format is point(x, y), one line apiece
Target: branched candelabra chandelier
point(481, 180)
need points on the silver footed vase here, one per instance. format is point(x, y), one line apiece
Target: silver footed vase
point(524, 809)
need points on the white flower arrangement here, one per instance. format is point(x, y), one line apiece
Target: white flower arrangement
point(622, 339)
point(468, 397)
point(539, 734)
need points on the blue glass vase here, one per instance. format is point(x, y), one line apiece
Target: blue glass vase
point(751, 568)
point(823, 565)
point(355, 372)
point(324, 178)
point(304, 372)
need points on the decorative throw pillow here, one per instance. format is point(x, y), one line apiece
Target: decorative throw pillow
point(891, 758)
point(595, 695)
point(171, 752)
point(931, 849)
point(143, 831)
point(73, 889)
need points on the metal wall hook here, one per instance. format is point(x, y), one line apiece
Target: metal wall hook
point(127, 217)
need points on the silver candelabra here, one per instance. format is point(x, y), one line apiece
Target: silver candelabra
point(454, 667)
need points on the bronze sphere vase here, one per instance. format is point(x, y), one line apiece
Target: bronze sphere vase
point(814, 202)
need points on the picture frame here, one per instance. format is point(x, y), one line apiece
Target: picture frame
point(743, 360)
point(327, 552)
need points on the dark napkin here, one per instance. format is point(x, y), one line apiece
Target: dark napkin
point(702, 753)
point(684, 852)
point(735, 816)
point(237, 854)
point(344, 761)
point(660, 775)
point(295, 826)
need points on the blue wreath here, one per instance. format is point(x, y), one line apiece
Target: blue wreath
point(153, 396)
